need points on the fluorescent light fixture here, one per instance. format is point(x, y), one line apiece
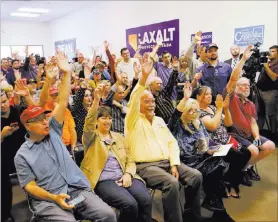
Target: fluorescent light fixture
point(35, 10)
point(24, 14)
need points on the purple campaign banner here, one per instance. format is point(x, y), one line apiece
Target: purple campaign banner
point(147, 36)
point(206, 39)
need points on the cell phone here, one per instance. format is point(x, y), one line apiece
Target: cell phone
point(15, 124)
point(76, 200)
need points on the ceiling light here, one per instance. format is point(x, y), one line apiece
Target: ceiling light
point(36, 10)
point(24, 14)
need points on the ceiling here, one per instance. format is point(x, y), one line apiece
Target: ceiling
point(57, 9)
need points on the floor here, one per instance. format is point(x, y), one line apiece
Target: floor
point(257, 203)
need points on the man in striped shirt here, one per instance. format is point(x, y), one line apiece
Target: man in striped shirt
point(164, 106)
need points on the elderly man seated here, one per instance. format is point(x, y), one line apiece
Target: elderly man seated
point(243, 111)
point(156, 153)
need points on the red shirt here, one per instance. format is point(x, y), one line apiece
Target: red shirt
point(242, 114)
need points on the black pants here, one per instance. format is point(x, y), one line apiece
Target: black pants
point(212, 183)
point(238, 160)
point(6, 193)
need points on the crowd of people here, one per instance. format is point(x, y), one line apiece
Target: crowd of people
point(148, 122)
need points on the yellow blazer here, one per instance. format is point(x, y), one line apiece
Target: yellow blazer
point(96, 152)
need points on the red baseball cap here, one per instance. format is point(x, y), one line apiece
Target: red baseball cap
point(32, 112)
point(53, 90)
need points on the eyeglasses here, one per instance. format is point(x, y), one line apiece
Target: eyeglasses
point(191, 112)
point(39, 118)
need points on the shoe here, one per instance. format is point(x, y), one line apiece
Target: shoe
point(236, 195)
point(214, 204)
point(246, 180)
point(10, 219)
point(221, 217)
point(253, 175)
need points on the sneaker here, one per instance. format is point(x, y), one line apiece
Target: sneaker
point(253, 175)
point(214, 204)
point(246, 180)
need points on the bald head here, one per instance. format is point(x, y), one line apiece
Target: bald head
point(155, 85)
point(235, 51)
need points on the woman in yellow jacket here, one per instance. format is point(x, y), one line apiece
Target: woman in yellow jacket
point(109, 167)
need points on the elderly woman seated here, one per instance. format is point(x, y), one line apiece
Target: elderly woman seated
point(216, 122)
point(196, 150)
point(110, 168)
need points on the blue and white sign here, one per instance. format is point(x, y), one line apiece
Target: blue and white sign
point(206, 39)
point(249, 35)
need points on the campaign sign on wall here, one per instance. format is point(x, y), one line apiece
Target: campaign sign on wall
point(147, 36)
point(67, 46)
point(206, 39)
point(249, 35)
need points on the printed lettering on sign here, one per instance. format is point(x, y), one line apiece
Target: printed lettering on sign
point(67, 46)
point(147, 37)
point(249, 35)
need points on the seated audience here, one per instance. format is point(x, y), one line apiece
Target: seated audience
point(109, 167)
point(12, 137)
point(45, 169)
point(196, 149)
point(216, 123)
point(245, 129)
point(156, 153)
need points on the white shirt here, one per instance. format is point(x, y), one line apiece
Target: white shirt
point(127, 67)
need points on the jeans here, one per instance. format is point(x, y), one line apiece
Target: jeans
point(92, 208)
point(134, 202)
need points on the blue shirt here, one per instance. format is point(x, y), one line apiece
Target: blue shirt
point(49, 164)
point(215, 77)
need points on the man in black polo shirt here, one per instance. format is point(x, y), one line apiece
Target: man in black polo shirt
point(12, 137)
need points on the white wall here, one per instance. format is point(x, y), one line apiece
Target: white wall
point(26, 33)
point(109, 20)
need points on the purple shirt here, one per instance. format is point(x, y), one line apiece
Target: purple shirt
point(215, 77)
point(112, 169)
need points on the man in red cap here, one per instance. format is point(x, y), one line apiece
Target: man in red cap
point(47, 172)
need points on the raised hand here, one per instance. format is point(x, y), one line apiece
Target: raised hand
point(62, 62)
point(198, 37)
point(106, 45)
point(175, 63)
point(159, 43)
point(21, 88)
point(136, 68)
point(198, 76)
point(219, 102)
point(51, 70)
point(247, 53)
point(147, 68)
point(226, 102)
point(187, 90)
point(98, 93)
